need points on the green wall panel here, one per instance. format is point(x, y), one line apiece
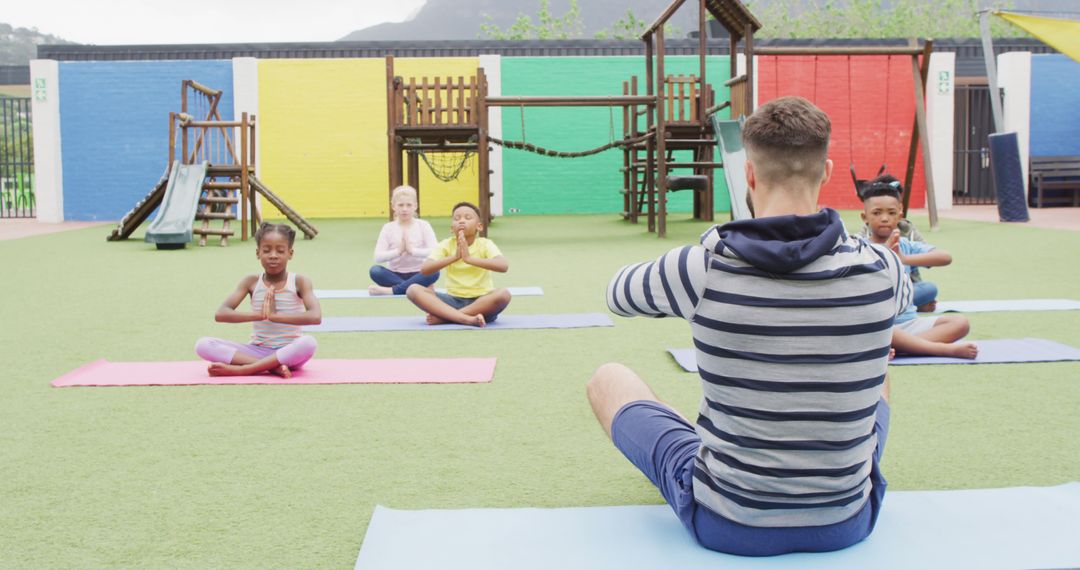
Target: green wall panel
point(536, 184)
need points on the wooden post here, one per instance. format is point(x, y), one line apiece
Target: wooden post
point(484, 173)
point(245, 190)
point(701, 76)
point(172, 140)
point(628, 175)
point(748, 48)
point(650, 143)
point(920, 133)
point(661, 142)
point(392, 145)
point(256, 219)
point(412, 159)
point(183, 131)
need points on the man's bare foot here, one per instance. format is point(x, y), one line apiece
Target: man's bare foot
point(222, 369)
point(433, 320)
point(892, 353)
point(963, 350)
point(927, 308)
point(282, 371)
point(379, 290)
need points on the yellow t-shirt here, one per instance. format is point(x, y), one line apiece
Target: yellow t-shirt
point(462, 279)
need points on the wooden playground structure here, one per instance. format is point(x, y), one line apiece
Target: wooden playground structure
point(229, 189)
point(429, 116)
point(450, 116)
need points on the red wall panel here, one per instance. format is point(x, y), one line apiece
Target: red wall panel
point(871, 102)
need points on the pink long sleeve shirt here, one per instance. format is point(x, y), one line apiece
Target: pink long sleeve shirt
point(388, 247)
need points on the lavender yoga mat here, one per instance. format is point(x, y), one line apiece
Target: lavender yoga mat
point(363, 294)
point(504, 322)
point(1007, 305)
point(319, 371)
point(1001, 351)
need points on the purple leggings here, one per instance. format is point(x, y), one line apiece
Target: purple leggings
point(293, 355)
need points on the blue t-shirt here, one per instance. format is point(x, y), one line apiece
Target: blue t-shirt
point(908, 247)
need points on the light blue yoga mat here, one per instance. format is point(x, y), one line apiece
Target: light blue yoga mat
point(1019, 527)
point(504, 322)
point(1002, 351)
point(1007, 305)
point(363, 294)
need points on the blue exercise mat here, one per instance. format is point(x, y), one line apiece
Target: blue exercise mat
point(990, 352)
point(1007, 305)
point(1019, 527)
point(363, 294)
point(504, 322)
point(1001, 352)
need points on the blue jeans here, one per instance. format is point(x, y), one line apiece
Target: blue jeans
point(399, 282)
point(924, 292)
point(663, 446)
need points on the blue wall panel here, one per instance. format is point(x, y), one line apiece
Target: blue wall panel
point(1055, 98)
point(114, 128)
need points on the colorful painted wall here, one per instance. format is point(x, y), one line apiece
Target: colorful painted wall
point(322, 135)
point(871, 102)
point(536, 184)
point(1055, 98)
point(115, 128)
point(322, 127)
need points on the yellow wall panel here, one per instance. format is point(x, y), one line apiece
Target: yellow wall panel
point(322, 135)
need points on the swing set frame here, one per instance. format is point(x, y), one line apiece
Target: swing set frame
point(919, 52)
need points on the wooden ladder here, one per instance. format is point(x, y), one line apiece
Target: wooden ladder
point(219, 201)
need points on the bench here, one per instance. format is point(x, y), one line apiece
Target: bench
point(1054, 180)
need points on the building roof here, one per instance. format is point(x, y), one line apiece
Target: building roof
point(969, 60)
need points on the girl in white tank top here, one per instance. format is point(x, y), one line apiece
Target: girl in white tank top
point(281, 302)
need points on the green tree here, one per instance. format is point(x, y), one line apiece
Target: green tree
point(805, 19)
point(548, 27)
point(629, 27)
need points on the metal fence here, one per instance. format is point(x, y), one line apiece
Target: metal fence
point(16, 159)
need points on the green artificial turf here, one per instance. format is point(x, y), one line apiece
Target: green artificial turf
point(287, 476)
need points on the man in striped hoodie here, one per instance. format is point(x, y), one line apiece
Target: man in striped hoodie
point(792, 320)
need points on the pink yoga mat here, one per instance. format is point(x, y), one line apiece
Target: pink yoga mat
point(320, 371)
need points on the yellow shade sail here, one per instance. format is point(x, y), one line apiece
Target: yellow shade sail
point(1062, 35)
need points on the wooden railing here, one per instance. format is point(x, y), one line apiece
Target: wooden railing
point(439, 102)
point(740, 105)
point(683, 98)
point(221, 143)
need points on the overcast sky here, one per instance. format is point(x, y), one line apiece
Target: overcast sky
point(106, 22)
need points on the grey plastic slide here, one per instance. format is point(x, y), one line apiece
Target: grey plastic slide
point(729, 140)
point(176, 214)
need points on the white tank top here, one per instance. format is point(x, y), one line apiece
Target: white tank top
point(286, 301)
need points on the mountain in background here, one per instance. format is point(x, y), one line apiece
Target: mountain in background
point(19, 45)
point(461, 19)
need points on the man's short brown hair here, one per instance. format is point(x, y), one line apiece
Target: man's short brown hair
point(788, 138)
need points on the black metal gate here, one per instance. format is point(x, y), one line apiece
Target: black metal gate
point(16, 159)
point(973, 181)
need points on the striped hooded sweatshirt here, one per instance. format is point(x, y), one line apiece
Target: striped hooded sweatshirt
point(792, 322)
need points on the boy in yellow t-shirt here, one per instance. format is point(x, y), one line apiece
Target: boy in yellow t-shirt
point(471, 298)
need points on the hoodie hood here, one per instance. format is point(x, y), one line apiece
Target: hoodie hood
point(778, 244)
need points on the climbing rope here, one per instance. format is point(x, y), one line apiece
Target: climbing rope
point(522, 145)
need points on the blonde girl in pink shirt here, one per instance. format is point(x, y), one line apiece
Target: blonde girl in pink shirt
point(403, 245)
